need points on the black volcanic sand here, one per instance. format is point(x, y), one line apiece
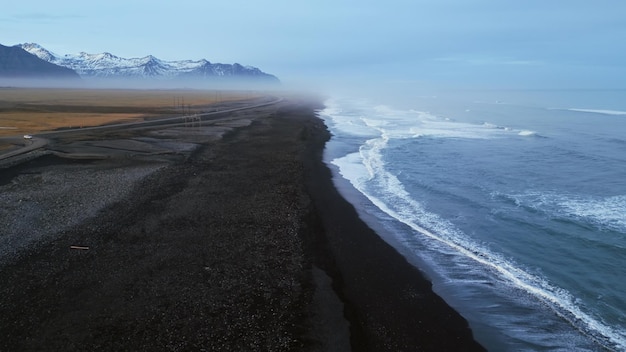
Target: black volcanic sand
point(230, 249)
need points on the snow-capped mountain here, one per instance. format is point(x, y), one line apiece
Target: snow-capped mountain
point(107, 65)
point(16, 63)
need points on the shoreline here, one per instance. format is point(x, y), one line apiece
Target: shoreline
point(245, 244)
point(370, 271)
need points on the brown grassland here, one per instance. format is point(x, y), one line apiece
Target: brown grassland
point(32, 110)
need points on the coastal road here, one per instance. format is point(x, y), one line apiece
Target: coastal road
point(37, 142)
point(28, 145)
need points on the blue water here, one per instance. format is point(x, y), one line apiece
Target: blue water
point(512, 203)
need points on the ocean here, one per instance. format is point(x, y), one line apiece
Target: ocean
point(513, 203)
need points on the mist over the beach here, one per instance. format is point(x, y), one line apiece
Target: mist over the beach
point(364, 44)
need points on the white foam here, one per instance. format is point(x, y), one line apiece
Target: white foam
point(609, 212)
point(601, 212)
point(600, 111)
point(347, 122)
point(526, 133)
point(362, 120)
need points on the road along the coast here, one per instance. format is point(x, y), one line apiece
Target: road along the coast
point(27, 145)
point(39, 140)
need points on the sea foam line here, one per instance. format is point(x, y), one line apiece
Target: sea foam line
point(559, 299)
point(600, 111)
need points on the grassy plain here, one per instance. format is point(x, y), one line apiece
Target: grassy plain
point(32, 110)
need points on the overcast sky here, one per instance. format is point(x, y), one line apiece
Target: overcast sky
point(489, 43)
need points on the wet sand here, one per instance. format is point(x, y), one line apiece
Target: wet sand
point(235, 241)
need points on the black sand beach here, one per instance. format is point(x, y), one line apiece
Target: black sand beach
point(240, 244)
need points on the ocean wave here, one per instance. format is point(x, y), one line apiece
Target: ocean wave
point(367, 171)
point(388, 194)
point(599, 111)
point(491, 125)
point(602, 213)
point(358, 118)
point(350, 122)
point(526, 133)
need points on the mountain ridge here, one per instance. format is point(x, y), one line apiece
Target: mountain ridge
point(107, 65)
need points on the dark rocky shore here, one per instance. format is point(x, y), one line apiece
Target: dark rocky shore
point(243, 244)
